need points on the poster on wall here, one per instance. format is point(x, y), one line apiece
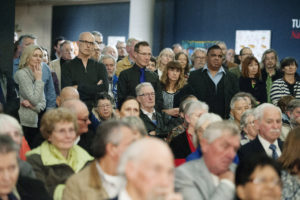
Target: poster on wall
point(112, 40)
point(257, 40)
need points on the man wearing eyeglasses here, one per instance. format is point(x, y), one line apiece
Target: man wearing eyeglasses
point(130, 78)
point(244, 53)
point(88, 76)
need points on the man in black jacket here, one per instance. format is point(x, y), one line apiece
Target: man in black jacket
point(130, 78)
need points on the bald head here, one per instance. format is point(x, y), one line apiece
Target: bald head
point(67, 93)
point(86, 45)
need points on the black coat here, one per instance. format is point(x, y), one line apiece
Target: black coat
point(259, 91)
point(180, 146)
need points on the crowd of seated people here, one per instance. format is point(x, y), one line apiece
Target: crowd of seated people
point(117, 122)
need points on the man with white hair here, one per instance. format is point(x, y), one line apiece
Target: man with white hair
point(110, 50)
point(268, 121)
point(121, 47)
point(212, 176)
point(148, 167)
point(198, 58)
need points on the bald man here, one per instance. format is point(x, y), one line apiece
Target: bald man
point(67, 93)
point(86, 75)
point(86, 134)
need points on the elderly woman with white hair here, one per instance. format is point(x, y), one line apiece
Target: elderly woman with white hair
point(31, 91)
point(247, 125)
point(186, 142)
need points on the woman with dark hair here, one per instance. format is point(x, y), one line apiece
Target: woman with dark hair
point(289, 84)
point(172, 80)
point(183, 59)
point(290, 161)
point(250, 80)
point(258, 178)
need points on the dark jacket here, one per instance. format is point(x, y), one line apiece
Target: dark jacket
point(130, 78)
point(277, 75)
point(180, 146)
point(259, 91)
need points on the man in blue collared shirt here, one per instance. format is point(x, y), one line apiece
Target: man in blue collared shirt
point(213, 84)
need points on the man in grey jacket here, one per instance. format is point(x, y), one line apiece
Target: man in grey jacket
point(211, 177)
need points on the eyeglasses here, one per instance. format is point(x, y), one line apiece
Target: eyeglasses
point(247, 54)
point(265, 181)
point(86, 42)
point(145, 54)
point(147, 94)
point(86, 120)
point(104, 106)
point(99, 42)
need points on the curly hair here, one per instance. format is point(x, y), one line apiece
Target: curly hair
point(165, 79)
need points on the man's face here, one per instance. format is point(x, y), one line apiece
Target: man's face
point(219, 154)
point(295, 116)
point(128, 136)
point(121, 47)
point(86, 44)
point(9, 172)
point(110, 66)
point(130, 49)
point(67, 51)
point(147, 97)
point(153, 176)
point(26, 42)
point(142, 57)
point(104, 108)
point(245, 53)
point(270, 60)
point(224, 49)
point(130, 108)
point(83, 120)
point(57, 47)
point(240, 106)
point(270, 124)
point(98, 39)
point(199, 59)
point(214, 59)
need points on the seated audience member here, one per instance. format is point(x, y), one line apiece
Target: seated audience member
point(172, 80)
point(183, 59)
point(157, 124)
point(268, 122)
point(165, 56)
point(31, 91)
point(110, 50)
point(57, 158)
point(244, 53)
point(86, 75)
point(96, 55)
point(186, 143)
point(149, 170)
point(11, 127)
point(129, 60)
point(290, 163)
point(12, 185)
point(250, 80)
point(211, 177)
point(225, 63)
point(136, 124)
point(152, 65)
point(247, 126)
point(289, 84)
point(238, 105)
point(130, 78)
point(67, 93)
point(130, 107)
point(249, 98)
point(103, 109)
point(202, 123)
point(258, 178)
point(100, 180)
point(110, 64)
point(198, 58)
point(270, 69)
point(121, 47)
point(282, 104)
point(67, 53)
point(85, 133)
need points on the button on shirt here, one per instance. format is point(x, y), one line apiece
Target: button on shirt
point(112, 184)
point(266, 146)
point(216, 79)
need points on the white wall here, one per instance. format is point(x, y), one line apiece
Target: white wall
point(36, 20)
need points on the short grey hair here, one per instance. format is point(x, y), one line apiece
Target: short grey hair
point(136, 124)
point(104, 57)
point(5, 120)
point(7, 145)
point(259, 111)
point(264, 57)
point(97, 33)
point(192, 106)
point(196, 50)
point(244, 118)
point(140, 86)
point(64, 43)
point(211, 117)
point(130, 41)
point(235, 99)
point(292, 105)
point(22, 37)
point(217, 129)
point(104, 51)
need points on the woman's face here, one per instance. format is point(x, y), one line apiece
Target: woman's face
point(182, 60)
point(250, 128)
point(166, 57)
point(264, 184)
point(173, 74)
point(253, 69)
point(63, 136)
point(290, 69)
point(104, 109)
point(45, 57)
point(36, 58)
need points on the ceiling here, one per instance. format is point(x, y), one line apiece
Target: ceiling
point(64, 2)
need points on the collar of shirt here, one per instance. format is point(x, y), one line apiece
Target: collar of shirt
point(149, 114)
point(218, 75)
point(131, 61)
point(124, 195)
point(266, 146)
point(112, 184)
point(215, 179)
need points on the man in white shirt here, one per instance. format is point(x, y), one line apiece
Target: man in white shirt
point(269, 122)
